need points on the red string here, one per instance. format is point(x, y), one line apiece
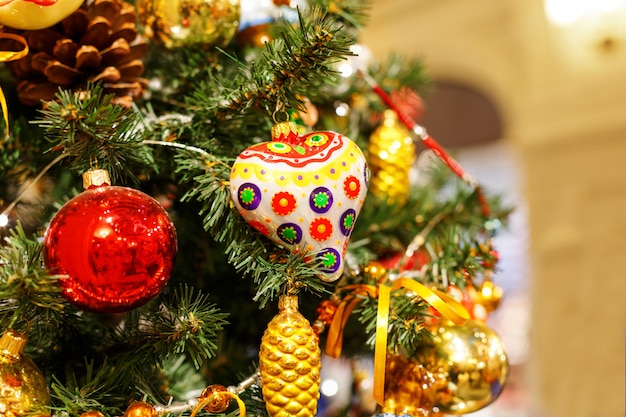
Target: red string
point(430, 143)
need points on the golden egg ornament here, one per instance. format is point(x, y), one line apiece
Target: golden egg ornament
point(185, 23)
point(23, 390)
point(472, 362)
point(374, 271)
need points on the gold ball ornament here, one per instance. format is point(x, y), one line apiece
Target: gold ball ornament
point(216, 403)
point(410, 389)
point(36, 14)
point(140, 409)
point(489, 295)
point(374, 271)
point(92, 413)
point(23, 390)
point(325, 311)
point(472, 362)
point(176, 23)
point(254, 36)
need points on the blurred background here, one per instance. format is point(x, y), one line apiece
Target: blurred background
point(531, 95)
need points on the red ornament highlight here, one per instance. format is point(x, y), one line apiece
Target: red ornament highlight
point(116, 247)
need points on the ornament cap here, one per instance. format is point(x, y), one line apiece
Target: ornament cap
point(390, 117)
point(96, 178)
point(285, 132)
point(12, 345)
point(288, 303)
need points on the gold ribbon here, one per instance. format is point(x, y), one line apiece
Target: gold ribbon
point(6, 56)
point(334, 339)
point(439, 300)
point(205, 401)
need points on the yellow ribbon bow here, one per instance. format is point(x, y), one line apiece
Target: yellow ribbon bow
point(439, 300)
point(334, 339)
point(6, 56)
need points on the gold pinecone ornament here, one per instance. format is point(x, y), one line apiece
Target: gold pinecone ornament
point(99, 42)
point(290, 363)
point(392, 153)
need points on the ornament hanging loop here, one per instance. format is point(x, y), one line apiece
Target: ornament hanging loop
point(292, 287)
point(280, 115)
point(93, 162)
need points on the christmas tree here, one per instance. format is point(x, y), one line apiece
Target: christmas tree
point(200, 197)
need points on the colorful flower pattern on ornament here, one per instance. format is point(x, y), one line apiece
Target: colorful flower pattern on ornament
point(304, 192)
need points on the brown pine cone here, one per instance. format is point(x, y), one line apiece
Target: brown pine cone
point(98, 42)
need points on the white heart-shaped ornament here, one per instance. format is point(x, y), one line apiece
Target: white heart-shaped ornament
point(304, 192)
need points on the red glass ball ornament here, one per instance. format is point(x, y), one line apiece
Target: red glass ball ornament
point(115, 246)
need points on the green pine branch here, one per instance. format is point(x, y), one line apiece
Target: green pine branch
point(294, 65)
point(26, 289)
point(95, 388)
point(132, 356)
point(407, 315)
point(353, 13)
point(184, 323)
point(93, 132)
